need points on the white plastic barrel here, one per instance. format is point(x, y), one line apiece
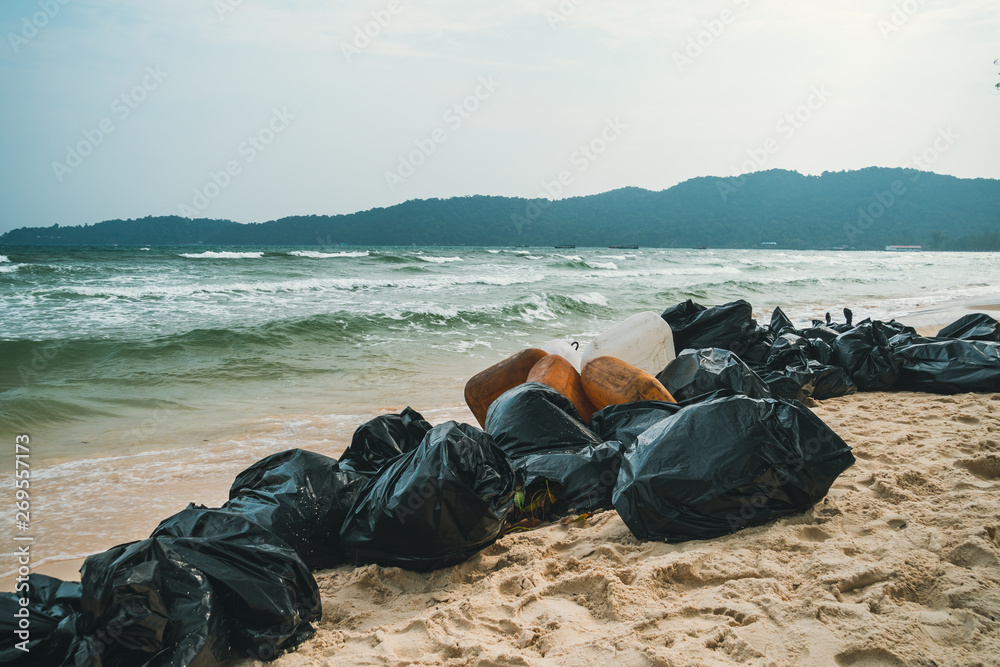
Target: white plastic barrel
point(566, 351)
point(643, 340)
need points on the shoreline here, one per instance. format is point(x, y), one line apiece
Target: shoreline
point(231, 459)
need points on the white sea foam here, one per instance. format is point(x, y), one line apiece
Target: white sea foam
point(9, 269)
point(209, 254)
point(572, 258)
point(438, 260)
point(593, 298)
point(305, 285)
point(312, 254)
point(3, 259)
point(493, 252)
point(610, 266)
point(685, 271)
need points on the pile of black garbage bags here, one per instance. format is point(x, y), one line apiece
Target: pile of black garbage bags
point(724, 348)
point(739, 449)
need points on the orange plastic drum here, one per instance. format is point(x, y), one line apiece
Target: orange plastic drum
point(558, 373)
point(610, 381)
point(488, 386)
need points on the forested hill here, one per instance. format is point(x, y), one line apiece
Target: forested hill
point(864, 209)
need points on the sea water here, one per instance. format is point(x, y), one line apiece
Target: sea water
point(148, 377)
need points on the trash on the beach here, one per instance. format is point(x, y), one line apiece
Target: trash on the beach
point(698, 372)
point(864, 353)
point(949, 366)
point(208, 585)
point(52, 613)
point(780, 322)
point(435, 506)
point(533, 418)
point(554, 371)
point(568, 351)
point(557, 483)
point(610, 381)
point(381, 440)
point(485, 387)
point(754, 345)
point(974, 326)
point(644, 340)
point(626, 422)
point(792, 349)
point(213, 585)
point(697, 327)
point(809, 379)
point(303, 498)
point(723, 465)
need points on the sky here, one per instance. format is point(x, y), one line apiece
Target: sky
point(252, 110)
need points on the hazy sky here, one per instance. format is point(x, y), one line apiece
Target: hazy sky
point(257, 109)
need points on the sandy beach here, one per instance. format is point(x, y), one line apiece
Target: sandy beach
point(899, 565)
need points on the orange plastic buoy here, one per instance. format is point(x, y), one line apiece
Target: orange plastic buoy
point(610, 381)
point(488, 386)
point(557, 372)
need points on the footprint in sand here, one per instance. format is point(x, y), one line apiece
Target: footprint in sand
point(814, 534)
point(984, 467)
point(876, 657)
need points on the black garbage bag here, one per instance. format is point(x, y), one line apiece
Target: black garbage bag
point(791, 349)
point(207, 586)
point(841, 328)
point(949, 366)
point(697, 327)
point(821, 332)
point(809, 380)
point(624, 423)
point(435, 506)
point(533, 418)
point(558, 483)
point(144, 605)
point(865, 354)
point(382, 440)
point(270, 597)
point(697, 372)
point(754, 345)
point(974, 326)
point(303, 498)
point(718, 467)
point(49, 631)
point(780, 322)
point(892, 328)
point(681, 316)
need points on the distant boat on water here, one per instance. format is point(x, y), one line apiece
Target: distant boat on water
point(624, 247)
point(565, 247)
point(903, 248)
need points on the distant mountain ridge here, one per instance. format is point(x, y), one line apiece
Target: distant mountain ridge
point(864, 209)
